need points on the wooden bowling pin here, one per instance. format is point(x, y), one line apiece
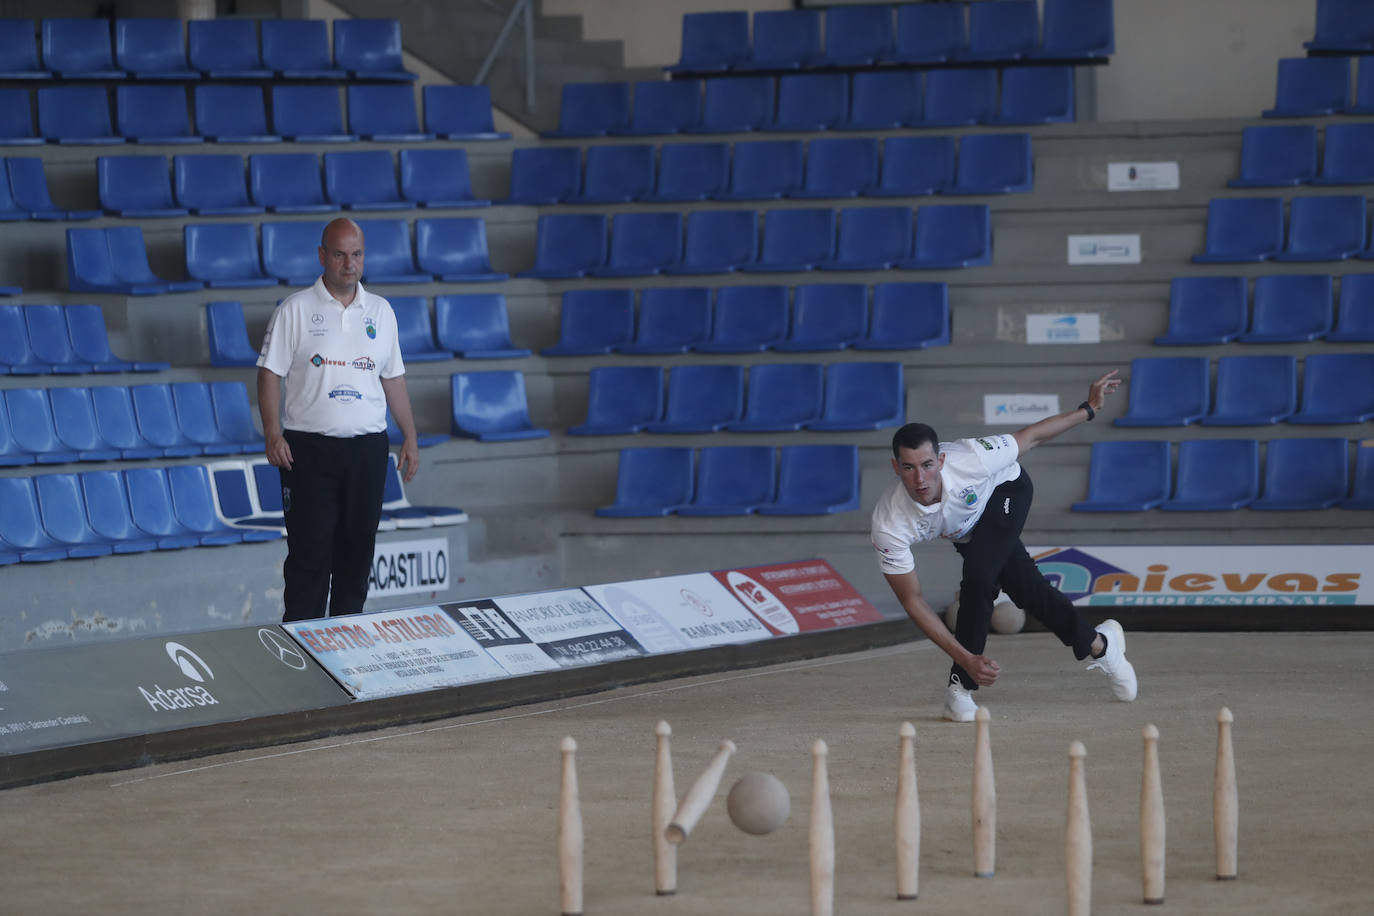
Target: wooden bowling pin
point(1224, 805)
point(908, 817)
point(984, 801)
point(570, 835)
point(665, 802)
point(699, 796)
point(1152, 820)
point(1078, 837)
point(822, 835)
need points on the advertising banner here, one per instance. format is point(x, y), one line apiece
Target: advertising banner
point(1142, 176)
point(799, 597)
point(409, 568)
point(675, 613)
point(1083, 327)
point(1104, 249)
point(1018, 409)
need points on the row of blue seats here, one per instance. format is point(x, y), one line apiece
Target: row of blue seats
point(156, 49)
point(924, 33)
point(720, 241)
point(1250, 229)
point(59, 339)
point(1250, 390)
point(1221, 475)
point(880, 100)
point(770, 169)
point(24, 193)
point(1287, 155)
point(1343, 25)
point(1287, 309)
point(228, 113)
point(736, 480)
point(1315, 86)
point(782, 397)
point(113, 423)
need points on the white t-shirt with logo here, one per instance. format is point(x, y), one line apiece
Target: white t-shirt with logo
point(973, 468)
point(333, 359)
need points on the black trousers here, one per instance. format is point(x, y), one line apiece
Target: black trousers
point(333, 501)
point(996, 560)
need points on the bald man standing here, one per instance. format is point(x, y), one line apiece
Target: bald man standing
point(335, 345)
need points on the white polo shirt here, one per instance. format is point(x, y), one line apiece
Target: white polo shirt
point(973, 468)
point(333, 359)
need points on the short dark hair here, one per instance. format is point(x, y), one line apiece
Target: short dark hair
point(913, 436)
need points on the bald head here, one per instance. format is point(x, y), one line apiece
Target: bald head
point(341, 256)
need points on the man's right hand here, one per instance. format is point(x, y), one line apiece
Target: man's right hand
point(278, 452)
point(983, 670)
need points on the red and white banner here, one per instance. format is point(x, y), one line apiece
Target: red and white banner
point(799, 597)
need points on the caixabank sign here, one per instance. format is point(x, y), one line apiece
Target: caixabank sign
point(78, 695)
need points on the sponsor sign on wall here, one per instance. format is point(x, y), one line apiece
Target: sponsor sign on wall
point(1063, 329)
point(1142, 176)
point(1104, 249)
point(409, 568)
point(674, 613)
point(543, 630)
point(1018, 409)
point(1200, 575)
point(799, 597)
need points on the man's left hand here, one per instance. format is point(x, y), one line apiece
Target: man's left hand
point(409, 461)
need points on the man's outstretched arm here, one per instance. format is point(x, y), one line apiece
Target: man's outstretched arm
point(907, 588)
point(1028, 437)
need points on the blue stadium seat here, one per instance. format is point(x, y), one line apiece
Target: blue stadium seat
point(370, 49)
point(154, 114)
point(857, 36)
point(664, 107)
point(31, 426)
point(114, 416)
point(288, 183)
point(908, 316)
point(592, 110)
point(299, 49)
point(267, 489)
point(16, 356)
point(1242, 229)
point(1127, 476)
point(951, 235)
point(63, 511)
point(927, 33)
point(1347, 156)
point(158, 422)
point(1077, 29)
point(811, 101)
point(415, 331)
point(872, 238)
point(884, 99)
point(719, 241)
point(1364, 90)
point(396, 506)
point(73, 418)
point(1304, 474)
point(621, 400)
point(363, 180)
point(568, 245)
point(795, 240)
point(195, 504)
point(733, 480)
point(390, 258)
point(19, 52)
point(748, 319)
point(827, 317)
point(1343, 25)
point(672, 319)
point(236, 499)
point(545, 175)
point(29, 185)
point(839, 168)
point(21, 524)
point(47, 335)
point(225, 256)
point(1336, 388)
point(234, 416)
point(593, 322)
point(862, 396)
point(114, 261)
point(91, 343)
point(691, 171)
point(213, 185)
point(16, 119)
point(1278, 156)
point(1001, 30)
point(617, 174)
point(1355, 320)
point(1205, 310)
point(308, 114)
point(1168, 391)
point(783, 397)
point(701, 399)
point(1254, 391)
point(10, 211)
point(437, 178)
point(784, 40)
point(195, 416)
point(385, 113)
point(1289, 309)
point(475, 326)
point(136, 186)
point(226, 113)
point(225, 49)
point(649, 482)
point(993, 164)
point(763, 169)
point(1036, 95)
point(455, 250)
point(712, 42)
point(77, 115)
point(79, 49)
point(290, 251)
point(422, 439)
point(460, 113)
point(916, 166)
point(960, 97)
point(816, 480)
point(1215, 475)
point(491, 406)
point(12, 454)
point(1326, 228)
point(152, 49)
point(1311, 86)
point(1362, 493)
point(734, 104)
point(150, 508)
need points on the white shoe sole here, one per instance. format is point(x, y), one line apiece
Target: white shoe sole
point(1126, 691)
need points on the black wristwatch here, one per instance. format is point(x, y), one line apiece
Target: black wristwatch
point(1089, 408)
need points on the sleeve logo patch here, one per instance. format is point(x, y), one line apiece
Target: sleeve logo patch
point(986, 444)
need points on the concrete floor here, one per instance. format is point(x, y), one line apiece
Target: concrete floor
point(459, 816)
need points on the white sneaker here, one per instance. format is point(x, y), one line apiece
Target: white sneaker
point(959, 705)
point(1113, 662)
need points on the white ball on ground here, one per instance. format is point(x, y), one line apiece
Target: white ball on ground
point(758, 803)
point(1007, 618)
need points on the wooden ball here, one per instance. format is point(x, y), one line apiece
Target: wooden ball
point(758, 803)
point(1008, 618)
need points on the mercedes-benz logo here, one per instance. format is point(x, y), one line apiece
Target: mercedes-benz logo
point(282, 648)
